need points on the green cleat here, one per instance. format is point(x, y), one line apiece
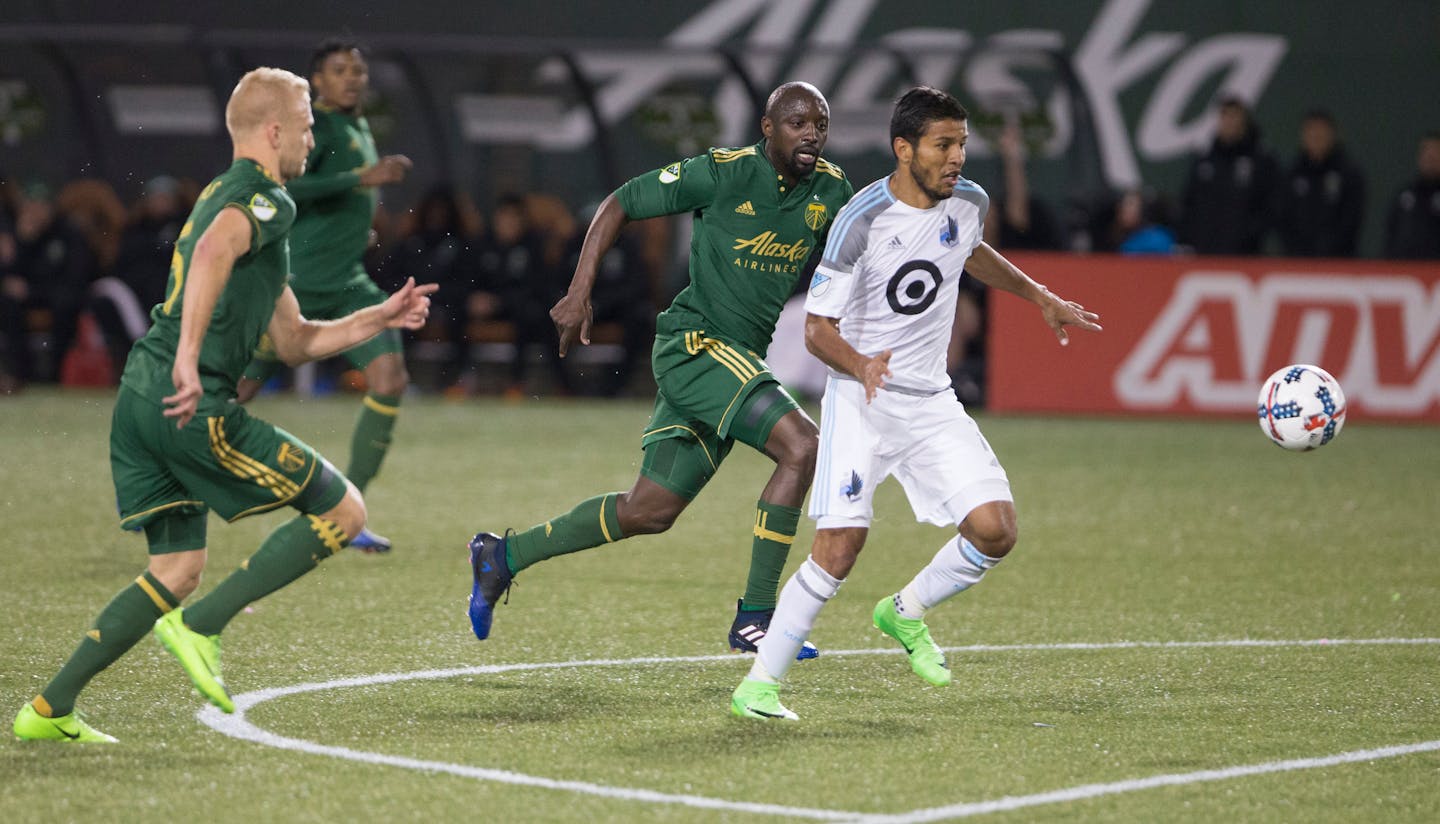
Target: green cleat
point(198, 654)
point(759, 699)
point(32, 726)
point(925, 657)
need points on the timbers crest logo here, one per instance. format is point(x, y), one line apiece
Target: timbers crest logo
point(290, 458)
point(815, 215)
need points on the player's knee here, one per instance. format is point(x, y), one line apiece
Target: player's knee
point(992, 529)
point(350, 513)
point(390, 382)
point(179, 572)
point(798, 445)
point(387, 376)
point(995, 539)
point(639, 516)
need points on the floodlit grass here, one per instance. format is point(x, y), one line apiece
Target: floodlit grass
point(1132, 530)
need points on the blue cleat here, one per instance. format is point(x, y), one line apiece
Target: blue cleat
point(370, 542)
point(492, 579)
point(751, 625)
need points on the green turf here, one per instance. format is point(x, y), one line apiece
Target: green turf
point(1130, 530)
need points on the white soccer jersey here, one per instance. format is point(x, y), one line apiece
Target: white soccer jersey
point(891, 274)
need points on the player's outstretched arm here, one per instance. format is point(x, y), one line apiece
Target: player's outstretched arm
point(224, 241)
point(992, 269)
point(823, 340)
point(298, 340)
point(572, 314)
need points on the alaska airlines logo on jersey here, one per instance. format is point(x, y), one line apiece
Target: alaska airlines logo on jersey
point(766, 245)
point(851, 490)
point(815, 215)
point(290, 458)
point(262, 208)
point(951, 235)
point(670, 173)
point(819, 284)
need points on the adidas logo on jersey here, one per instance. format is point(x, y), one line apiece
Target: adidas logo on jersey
point(895, 243)
point(745, 209)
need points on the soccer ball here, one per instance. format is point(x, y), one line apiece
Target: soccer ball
point(1301, 407)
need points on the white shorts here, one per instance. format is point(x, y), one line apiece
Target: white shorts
point(929, 443)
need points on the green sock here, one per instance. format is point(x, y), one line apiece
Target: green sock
point(592, 522)
point(123, 622)
point(292, 550)
point(372, 437)
point(774, 533)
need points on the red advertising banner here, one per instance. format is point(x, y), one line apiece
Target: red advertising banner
point(1196, 336)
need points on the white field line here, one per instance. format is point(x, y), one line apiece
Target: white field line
point(238, 726)
point(1015, 802)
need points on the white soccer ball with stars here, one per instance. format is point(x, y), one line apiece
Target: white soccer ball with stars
point(1301, 407)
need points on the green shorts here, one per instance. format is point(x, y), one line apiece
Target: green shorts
point(358, 293)
point(235, 464)
point(711, 394)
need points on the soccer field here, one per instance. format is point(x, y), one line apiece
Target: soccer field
point(1195, 626)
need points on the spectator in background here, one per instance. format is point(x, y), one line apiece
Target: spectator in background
point(1018, 219)
point(515, 262)
point(1139, 225)
point(1321, 202)
point(50, 279)
point(93, 208)
point(12, 325)
point(1229, 190)
point(1412, 231)
point(443, 245)
point(622, 297)
point(122, 301)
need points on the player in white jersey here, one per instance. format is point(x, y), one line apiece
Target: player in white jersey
point(880, 311)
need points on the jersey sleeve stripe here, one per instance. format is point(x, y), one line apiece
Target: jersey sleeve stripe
point(862, 205)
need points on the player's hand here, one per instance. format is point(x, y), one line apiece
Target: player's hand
point(874, 373)
point(572, 316)
point(182, 405)
point(409, 307)
point(1060, 313)
point(388, 169)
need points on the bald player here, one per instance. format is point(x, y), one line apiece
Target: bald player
point(179, 444)
point(760, 212)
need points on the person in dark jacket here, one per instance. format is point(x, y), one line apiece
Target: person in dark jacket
point(52, 271)
point(1228, 193)
point(1321, 202)
point(1412, 231)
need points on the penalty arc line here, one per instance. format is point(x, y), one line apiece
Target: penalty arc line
point(239, 727)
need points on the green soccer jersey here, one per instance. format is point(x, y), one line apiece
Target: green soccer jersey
point(335, 211)
point(243, 311)
point(751, 238)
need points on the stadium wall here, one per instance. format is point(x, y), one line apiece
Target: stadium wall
point(566, 97)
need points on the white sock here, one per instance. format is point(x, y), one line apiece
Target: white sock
point(800, 602)
point(955, 568)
